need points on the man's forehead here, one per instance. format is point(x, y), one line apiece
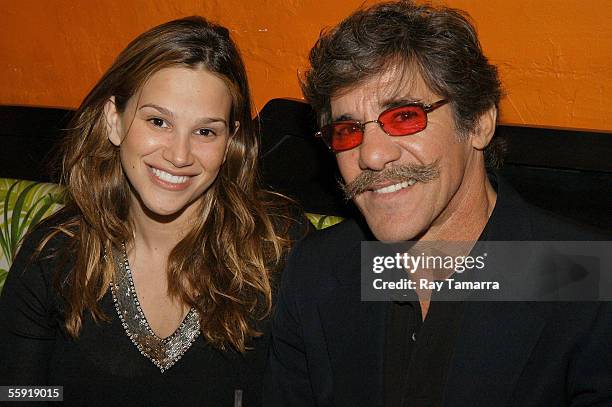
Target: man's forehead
point(380, 91)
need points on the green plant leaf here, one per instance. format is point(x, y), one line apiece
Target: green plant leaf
point(3, 275)
point(16, 218)
point(40, 213)
point(7, 199)
point(6, 224)
point(5, 248)
point(321, 222)
point(25, 218)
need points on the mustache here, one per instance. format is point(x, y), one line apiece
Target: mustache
point(397, 173)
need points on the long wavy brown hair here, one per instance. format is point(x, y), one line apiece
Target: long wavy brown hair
point(223, 266)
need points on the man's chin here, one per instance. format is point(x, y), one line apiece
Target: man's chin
point(393, 232)
point(390, 225)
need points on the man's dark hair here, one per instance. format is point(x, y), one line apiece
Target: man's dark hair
point(438, 42)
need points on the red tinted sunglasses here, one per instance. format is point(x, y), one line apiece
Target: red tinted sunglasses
point(397, 121)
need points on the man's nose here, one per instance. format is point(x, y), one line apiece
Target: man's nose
point(377, 149)
point(178, 150)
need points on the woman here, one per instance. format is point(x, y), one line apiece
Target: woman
point(150, 286)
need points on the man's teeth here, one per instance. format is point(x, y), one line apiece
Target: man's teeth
point(173, 179)
point(396, 187)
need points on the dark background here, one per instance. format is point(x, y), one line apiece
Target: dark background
point(567, 172)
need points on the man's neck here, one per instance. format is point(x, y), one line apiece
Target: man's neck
point(467, 214)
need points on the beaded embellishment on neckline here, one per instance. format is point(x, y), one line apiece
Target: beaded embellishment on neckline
point(164, 353)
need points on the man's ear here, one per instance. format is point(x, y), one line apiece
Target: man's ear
point(485, 128)
point(113, 122)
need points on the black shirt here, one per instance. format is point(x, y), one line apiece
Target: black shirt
point(102, 367)
point(418, 353)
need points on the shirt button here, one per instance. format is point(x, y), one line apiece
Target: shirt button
point(414, 337)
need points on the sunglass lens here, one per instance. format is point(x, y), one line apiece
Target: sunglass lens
point(404, 120)
point(342, 136)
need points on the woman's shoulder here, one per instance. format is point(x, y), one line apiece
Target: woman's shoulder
point(46, 247)
point(29, 288)
point(53, 234)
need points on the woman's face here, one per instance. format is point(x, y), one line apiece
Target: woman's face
point(173, 137)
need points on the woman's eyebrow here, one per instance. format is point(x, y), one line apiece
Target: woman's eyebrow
point(208, 120)
point(160, 109)
point(167, 112)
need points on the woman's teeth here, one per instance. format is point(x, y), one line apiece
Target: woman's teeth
point(172, 179)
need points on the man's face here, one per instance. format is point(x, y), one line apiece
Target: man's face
point(394, 209)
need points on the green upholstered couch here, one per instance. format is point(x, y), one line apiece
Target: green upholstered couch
point(22, 205)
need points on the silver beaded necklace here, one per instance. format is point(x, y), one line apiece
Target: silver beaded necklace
point(163, 352)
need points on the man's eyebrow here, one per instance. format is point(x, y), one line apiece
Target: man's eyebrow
point(386, 104)
point(343, 118)
point(395, 102)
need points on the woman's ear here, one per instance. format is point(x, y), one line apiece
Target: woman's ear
point(236, 127)
point(113, 122)
point(485, 128)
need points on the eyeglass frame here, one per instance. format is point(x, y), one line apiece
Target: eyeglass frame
point(427, 108)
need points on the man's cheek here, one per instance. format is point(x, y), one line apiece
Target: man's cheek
point(348, 174)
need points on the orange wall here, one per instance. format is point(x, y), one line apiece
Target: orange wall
point(555, 56)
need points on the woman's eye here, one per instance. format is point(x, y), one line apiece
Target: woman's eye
point(157, 122)
point(205, 132)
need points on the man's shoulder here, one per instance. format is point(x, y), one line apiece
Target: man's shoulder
point(339, 236)
point(515, 219)
point(547, 225)
point(336, 242)
point(324, 255)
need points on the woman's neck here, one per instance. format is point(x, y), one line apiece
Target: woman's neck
point(158, 235)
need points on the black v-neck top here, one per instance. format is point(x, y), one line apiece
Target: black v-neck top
point(103, 367)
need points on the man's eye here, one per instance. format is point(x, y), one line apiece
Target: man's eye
point(405, 115)
point(347, 129)
point(354, 129)
point(157, 122)
point(342, 131)
point(205, 132)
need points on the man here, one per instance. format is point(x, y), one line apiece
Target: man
point(408, 103)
